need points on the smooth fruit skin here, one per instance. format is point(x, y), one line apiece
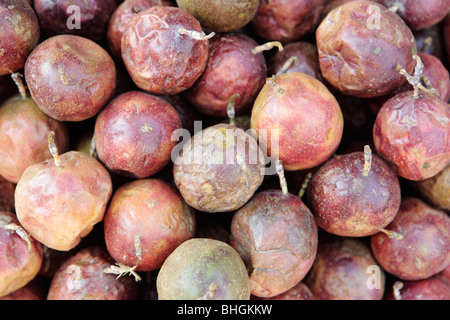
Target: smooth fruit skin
point(211, 270)
point(232, 69)
point(122, 16)
point(57, 17)
point(286, 21)
point(19, 265)
point(300, 292)
point(298, 120)
point(413, 135)
point(19, 34)
point(221, 15)
point(347, 203)
point(60, 205)
point(276, 236)
point(425, 248)
point(420, 15)
point(82, 277)
point(433, 288)
point(133, 134)
point(70, 78)
point(343, 269)
point(158, 58)
point(307, 59)
point(23, 136)
point(151, 212)
point(359, 54)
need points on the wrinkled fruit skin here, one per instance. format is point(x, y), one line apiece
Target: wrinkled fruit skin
point(297, 120)
point(151, 212)
point(359, 67)
point(347, 203)
point(57, 17)
point(419, 15)
point(276, 236)
point(133, 134)
point(340, 271)
point(221, 15)
point(19, 266)
point(433, 288)
point(436, 189)
point(286, 21)
point(232, 69)
point(122, 16)
point(412, 134)
point(212, 270)
point(70, 78)
point(307, 59)
point(425, 248)
point(82, 277)
point(23, 136)
point(20, 34)
point(60, 205)
point(158, 58)
point(219, 169)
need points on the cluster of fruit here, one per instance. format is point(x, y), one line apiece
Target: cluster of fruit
point(321, 168)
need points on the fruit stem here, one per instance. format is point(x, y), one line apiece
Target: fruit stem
point(121, 269)
point(428, 42)
point(53, 149)
point(20, 85)
point(284, 68)
point(367, 160)
point(92, 149)
point(398, 285)
point(416, 79)
point(230, 109)
point(391, 234)
point(267, 46)
point(305, 184)
point(280, 172)
point(272, 81)
point(195, 34)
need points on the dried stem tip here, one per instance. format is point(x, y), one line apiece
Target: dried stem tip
point(272, 81)
point(92, 148)
point(416, 79)
point(392, 234)
point(53, 149)
point(398, 285)
point(121, 269)
point(17, 78)
point(280, 172)
point(231, 112)
point(267, 46)
point(195, 34)
point(305, 184)
point(285, 67)
point(367, 160)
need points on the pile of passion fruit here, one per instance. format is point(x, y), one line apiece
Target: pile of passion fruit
point(224, 150)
